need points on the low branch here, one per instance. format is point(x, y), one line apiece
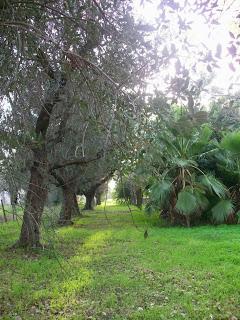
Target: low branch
point(58, 178)
point(83, 161)
point(80, 161)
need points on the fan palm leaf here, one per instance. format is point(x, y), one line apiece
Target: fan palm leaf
point(186, 202)
point(213, 185)
point(160, 192)
point(222, 210)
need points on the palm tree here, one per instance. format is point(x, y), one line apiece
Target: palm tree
point(178, 185)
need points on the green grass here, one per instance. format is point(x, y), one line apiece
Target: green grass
point(8, 211)
point(103, 268)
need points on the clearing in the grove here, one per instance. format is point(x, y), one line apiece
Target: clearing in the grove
point(102, 267)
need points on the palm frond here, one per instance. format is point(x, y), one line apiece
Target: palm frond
point(200, 140)
point(213, 185)
point(231, 142)
point(171, 148)
point(186, 202)
point(205, 134)
point(222, 210)
point(160, 191)
point(184, 163)
point(151, 207)
point(202, 201)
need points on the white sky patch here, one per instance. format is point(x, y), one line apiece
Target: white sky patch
point(112, 185)
point(223, 77)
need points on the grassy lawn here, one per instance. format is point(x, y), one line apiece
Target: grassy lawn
point(103, 268)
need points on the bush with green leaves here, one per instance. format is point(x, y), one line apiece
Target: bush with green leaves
point(183, 189)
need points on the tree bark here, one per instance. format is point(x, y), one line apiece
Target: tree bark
point(89, 205)
point(171, 215)
point(35, 200)
point(70, 206)
point(98, 198)
point(37, 188)
point(139, 198)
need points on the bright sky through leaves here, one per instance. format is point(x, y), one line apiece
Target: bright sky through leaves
point(200, 33)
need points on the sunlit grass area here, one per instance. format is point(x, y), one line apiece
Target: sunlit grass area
point(101, 267)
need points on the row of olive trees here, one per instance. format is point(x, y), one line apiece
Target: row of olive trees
point(67, 72)
point(73, 87)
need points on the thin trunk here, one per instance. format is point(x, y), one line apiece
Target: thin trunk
point(139, 196)
point(14, 201)
point(98, 199)
point(188, 221)
point(14, 211)
point(190, 103)
point(133, 199)
point(89, 205)
point(70, 207)
point(171, 214)
point(4, 212)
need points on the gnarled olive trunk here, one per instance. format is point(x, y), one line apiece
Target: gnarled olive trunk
point(34, 203)
point(98, 198)
point(37, 188)
point(90, 193)
point(89, 205)
point(70, 206)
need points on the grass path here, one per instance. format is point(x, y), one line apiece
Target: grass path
point(105, 269)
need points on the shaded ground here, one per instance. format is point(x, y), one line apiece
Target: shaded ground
point(103, 268)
